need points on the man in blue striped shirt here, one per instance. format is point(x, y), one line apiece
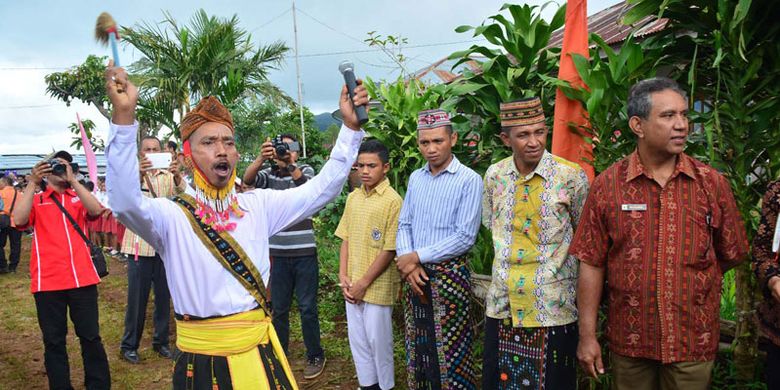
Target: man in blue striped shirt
point(438, 224)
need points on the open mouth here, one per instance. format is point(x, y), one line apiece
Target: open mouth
point(222, 169)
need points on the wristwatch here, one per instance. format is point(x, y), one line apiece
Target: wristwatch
point(291, 168)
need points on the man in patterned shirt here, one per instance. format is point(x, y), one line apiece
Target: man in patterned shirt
point(145, 268)
point(666, 227)
point(531, 203)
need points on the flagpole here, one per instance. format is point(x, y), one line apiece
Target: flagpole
point(298, 77)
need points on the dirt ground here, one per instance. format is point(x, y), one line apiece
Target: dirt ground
point(21, 346)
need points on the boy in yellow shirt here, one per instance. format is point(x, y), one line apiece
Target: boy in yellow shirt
point(367, 228)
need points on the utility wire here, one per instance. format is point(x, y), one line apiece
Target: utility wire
point(275, 18)
point(34, 68)
point(377, 49)
point(25, 107)
point(331, 28)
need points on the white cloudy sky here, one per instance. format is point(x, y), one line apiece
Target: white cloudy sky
point(40, 37)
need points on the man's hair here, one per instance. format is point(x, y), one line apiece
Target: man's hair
point(152, 137)
point(172, 145)
point(639, 100)
point(290, 136)
point(90, 186)
point(63, 155)
point(374, 146)
point(7, 180)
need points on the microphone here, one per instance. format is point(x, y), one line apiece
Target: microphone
point(348, 70)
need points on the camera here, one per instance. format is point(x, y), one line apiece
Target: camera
point(58, 168)
point(282, 148)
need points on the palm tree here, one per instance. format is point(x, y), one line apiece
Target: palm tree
point(210, 56)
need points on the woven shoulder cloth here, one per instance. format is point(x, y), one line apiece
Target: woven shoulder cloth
point(227, 251)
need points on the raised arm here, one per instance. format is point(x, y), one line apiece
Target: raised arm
point(283, 208)
point(122, 177)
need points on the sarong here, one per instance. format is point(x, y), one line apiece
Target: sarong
point(239, 352)
point(529, 358)
point(439, 330)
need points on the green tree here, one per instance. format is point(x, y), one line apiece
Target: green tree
point(210, 56)
point(84, 82)
point(97, 143)
point(256, 120)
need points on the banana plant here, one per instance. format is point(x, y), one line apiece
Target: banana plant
point(513, 69)
point(394, 122)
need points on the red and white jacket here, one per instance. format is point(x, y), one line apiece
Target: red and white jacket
point(60, 258)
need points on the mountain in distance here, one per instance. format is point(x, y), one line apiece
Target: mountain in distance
point(324, 120)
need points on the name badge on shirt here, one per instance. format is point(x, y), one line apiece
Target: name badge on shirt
point(633, 207)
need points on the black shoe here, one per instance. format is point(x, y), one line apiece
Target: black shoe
point(4, 270)
point(163, 351)
point(130, 355)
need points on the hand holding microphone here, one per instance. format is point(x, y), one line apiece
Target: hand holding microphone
point(354, 98)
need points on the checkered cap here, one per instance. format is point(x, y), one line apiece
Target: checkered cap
point(431, 119)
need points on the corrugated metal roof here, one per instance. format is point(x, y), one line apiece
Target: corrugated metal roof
point(23, 163)
point(607, 23)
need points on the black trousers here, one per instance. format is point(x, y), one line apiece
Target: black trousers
point(53, 307)
point(772, 365)
point(141, 276)
point(15, 238)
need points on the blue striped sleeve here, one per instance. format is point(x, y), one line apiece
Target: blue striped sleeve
point(467, 211)
point(403, 239)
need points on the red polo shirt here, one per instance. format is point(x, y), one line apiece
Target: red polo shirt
point(60, 258)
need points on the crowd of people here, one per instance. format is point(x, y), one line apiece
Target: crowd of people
point(651, 236)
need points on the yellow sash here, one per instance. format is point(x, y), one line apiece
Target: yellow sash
point(235, 337)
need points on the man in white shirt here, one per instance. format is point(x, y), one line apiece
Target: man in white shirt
point(214, 242)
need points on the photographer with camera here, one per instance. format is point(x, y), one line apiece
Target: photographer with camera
point(294, 266)
point(63, 276)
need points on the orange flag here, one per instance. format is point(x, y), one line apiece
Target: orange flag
point(565, 142)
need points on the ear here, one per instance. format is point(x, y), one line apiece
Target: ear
point(635, 123)
point(454, 138)
point(386, 168)
point(504, 138)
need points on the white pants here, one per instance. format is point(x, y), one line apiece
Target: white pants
point(370, 329)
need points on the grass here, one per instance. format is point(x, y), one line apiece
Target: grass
point(21, 348)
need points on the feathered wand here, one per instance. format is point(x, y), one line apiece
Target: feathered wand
point(106, 31)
